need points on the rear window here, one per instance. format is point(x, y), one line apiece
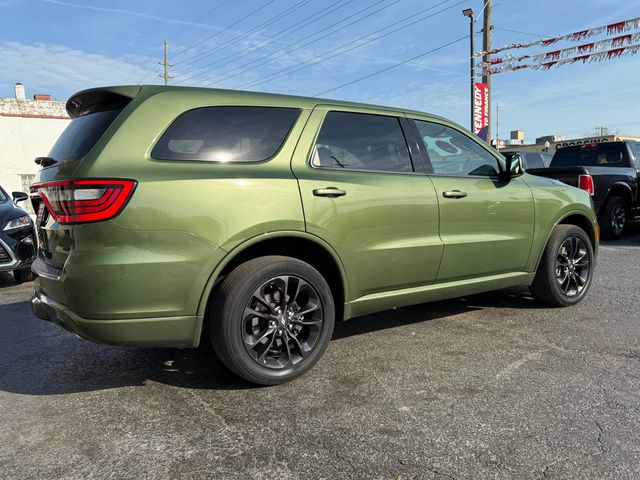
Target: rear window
point(226, 134)
point(82, 134)
point(601, 155)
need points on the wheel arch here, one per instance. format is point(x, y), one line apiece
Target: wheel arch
point(580, 220)
point(295, 244)
point(620, 189)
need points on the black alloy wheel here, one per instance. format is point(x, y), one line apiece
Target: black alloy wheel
point(618, 219)
point(282, 322)
point(565, 271)
point(272, 319)
point(573, 266)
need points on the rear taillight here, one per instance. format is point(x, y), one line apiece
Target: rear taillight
point(81, 201)
point(585, 182)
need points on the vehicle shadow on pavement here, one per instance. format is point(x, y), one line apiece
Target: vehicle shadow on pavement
point(6, 280)
point(631, 238)
point(39, 358)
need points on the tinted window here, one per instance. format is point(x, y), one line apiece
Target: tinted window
point(3, 197)
point(226, 134)
point(635, 146)
point(81, 135)
point(358, 141)
point(546, 158)
point(600, 155)
point(533, 160)
point(453, 153)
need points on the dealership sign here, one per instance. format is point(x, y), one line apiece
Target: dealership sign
point(481, 110)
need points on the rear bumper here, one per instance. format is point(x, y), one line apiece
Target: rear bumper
point(183, 331)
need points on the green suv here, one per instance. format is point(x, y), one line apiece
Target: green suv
point(168, 214)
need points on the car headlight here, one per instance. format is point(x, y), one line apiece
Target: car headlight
point(16, 223)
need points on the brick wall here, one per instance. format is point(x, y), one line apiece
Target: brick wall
point(32, 108)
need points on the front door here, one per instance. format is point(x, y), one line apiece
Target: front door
point(486, 222)
point(362, 195)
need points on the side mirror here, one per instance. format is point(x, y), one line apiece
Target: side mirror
point(19, 197)
point(515, 166)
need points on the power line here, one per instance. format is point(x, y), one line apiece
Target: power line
point(519, 32)
point(197, 20)
point(238, 38)
point(253, 12)
point(315, 17)
point(284, 72)
point(217, 7)
point(395, 65)
point(283, 50)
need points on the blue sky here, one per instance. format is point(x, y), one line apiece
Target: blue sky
point(60, 46)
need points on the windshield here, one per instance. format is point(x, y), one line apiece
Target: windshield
point(81, 135)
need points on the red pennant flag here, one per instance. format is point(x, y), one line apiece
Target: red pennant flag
point(553, 55)
point(615, 53)
point(619, 41)
point(616, 28)
point(578, 35)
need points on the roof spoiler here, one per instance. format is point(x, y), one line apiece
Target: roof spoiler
point(100, 99)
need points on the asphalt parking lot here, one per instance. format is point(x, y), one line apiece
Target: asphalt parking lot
point(490, 386)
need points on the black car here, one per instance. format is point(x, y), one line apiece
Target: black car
point(17, 241)
point(610, 172)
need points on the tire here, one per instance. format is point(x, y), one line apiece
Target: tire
point(567, 244)
point(22, 276)
point(614, 218)
point(257, 341)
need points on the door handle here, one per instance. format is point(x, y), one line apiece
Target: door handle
point(330, 192)
point(454, 194)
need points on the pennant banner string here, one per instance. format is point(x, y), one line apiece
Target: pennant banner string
point(590, 57)
point(608, 43)
point(611, 29)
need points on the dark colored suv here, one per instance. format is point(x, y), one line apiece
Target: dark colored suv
point(17, 244)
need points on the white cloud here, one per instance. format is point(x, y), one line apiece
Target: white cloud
point(131, 13)
point(60, 70)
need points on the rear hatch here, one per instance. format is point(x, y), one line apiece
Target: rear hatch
point(59, 199)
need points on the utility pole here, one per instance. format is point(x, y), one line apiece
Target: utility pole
point(487, 30)
point(497, 126)
point(468, 12)
point(166, 64)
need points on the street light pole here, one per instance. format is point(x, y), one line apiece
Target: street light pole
point(468, 12)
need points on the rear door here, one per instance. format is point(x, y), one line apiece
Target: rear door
point(486, 223)
point(364, 194)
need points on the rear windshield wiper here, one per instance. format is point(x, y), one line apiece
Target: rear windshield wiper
point(45, 161)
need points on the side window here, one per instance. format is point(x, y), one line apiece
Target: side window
point(546, 158)
point(357, 141)
point(635, 146)
point(453, 153)
point(533, 160)
point(226, 134)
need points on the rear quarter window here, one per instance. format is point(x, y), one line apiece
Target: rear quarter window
point(226, 134)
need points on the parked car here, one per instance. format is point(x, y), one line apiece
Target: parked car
point(531, 159)
point(259, 219)
point(17, 250)
point(610, 172)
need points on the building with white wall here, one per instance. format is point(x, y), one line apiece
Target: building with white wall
point(28, 129)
